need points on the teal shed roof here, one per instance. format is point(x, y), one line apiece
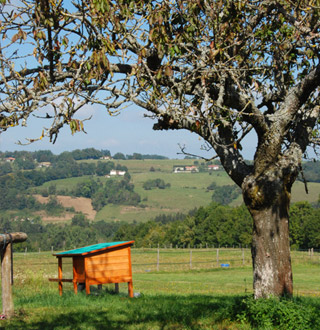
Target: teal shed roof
point(94, 248)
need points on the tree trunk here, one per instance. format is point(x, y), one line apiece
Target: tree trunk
point(272, 273)
point(268, 202)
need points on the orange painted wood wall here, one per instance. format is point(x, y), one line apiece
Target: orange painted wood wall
point(103, 267)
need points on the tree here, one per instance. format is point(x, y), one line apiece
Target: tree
point(220, 69)
point(79, 220)
point(225, 194)
point(119, 155)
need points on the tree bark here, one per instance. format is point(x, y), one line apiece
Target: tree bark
point(272, 273)
point(268, 202)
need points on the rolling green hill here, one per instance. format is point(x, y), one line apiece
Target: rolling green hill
point(187, 190)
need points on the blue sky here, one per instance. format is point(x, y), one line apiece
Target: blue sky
point(128, 132)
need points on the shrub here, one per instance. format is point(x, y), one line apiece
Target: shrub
point(277, 313)
point(157, 183)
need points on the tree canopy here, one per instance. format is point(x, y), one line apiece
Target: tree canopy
point(218, 68)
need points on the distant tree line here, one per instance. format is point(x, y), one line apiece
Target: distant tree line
point(17, 188)
point(27, 160)
point(47, 155)
point(215, 225)
point(80, 232)
point(61, 169)
point(219, 225)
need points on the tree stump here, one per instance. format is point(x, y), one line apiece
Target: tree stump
point(6, 241)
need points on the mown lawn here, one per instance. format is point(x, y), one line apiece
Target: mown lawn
point(178, 296)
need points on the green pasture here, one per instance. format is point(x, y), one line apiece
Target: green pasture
point(179, 295)
point(187, 191)
point(68, 183)
point(157, 271)
point(299, 192)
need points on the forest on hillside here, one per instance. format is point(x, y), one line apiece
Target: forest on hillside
point(22, 175)
point(213, 226)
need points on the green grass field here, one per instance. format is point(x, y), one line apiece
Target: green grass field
point(178, 296)
point(187, 191)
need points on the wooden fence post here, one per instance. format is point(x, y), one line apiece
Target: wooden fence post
point(217, 257)
point(6, 270)
point(6, 241)
point(158, 258)
point(190, 259)
point(243, 257)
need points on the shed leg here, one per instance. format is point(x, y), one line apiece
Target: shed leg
point(116, 288)
point(60, 275)
point(130, 289)
point(74, 280)
point(75, 287)
point(87, 287)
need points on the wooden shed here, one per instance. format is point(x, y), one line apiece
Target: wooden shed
point(98, 264)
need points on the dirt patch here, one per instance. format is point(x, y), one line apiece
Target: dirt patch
point(48, 218)
point(80, 204)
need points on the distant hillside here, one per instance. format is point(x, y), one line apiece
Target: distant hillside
point(311, 171)
point(139, 190)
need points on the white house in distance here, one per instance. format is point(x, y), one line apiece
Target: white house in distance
point(117, 173)
point(213, 167)
point(185, 169)
point(44, 164)
point(193, 168)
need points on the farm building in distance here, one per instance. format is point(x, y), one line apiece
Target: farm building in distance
point(194, 168)
point(117, 173)
point(10, 159)
point(185, 169)
point(44, 164)
point(213, 167)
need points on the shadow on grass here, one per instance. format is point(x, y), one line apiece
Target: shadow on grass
point(166, 312)
point(147, 312)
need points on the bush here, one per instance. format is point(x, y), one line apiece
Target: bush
point(224, 194)
point(53, 207)
point(157, 183)
point(44, 193)
point(277, 313)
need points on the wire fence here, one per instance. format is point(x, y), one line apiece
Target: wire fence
point(170, 259)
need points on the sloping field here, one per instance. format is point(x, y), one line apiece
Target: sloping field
point(187, 191)
point(80, 204)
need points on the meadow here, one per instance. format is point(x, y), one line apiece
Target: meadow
point(187, 191)
point(175, 289)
